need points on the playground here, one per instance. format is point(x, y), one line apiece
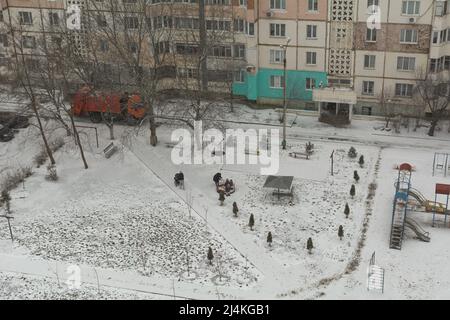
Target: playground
point(91, 220)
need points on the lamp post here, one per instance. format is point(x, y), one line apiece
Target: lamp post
point(284, 47)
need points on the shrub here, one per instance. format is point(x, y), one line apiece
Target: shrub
point(352, 153)
point(41, 157)
point(15, 178)
point(52, 175)
point(57, 144)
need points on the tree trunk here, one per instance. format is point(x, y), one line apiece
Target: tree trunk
point(153, 137)
point(78, 142)
point(41, 129)
point(203, 46)
point(433, 125)
point(111, 131)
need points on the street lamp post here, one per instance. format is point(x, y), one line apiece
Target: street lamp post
point(284, 47)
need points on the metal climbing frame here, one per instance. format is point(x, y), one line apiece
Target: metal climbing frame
point(441, 189)
point(400, 207)
point(441, 162)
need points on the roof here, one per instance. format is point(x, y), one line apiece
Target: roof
point(279, 182)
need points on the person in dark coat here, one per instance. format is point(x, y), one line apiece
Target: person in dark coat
point(217, 178)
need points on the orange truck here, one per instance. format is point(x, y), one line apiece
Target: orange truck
point(101, 106)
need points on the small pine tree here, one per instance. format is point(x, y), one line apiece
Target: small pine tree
point(352, 152)
point(269, 238)
point(251, 222)
point(309, 245)
point(346, 210)
point(221, 197)
point(341, 232)
point(356, 176)
point(235, 209)
point(352, 191)
point(210, 255)
point(361, 161)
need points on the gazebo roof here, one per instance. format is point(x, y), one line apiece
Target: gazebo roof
point(279, 182)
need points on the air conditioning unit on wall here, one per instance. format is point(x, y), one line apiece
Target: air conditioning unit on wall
point(269, 14)
point(412, 20)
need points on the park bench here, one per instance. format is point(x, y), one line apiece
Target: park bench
point(110, 150)
point(299, 155)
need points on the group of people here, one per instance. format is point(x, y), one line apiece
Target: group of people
point(225, 186)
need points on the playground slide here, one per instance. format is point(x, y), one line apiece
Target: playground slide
point(429, 206)
point(417, 229)
point(416, 194)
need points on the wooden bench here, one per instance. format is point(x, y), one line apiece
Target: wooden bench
point(301, 155)
point(110, 150)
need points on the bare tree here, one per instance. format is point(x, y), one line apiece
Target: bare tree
point(22, 77)
point(434, 93)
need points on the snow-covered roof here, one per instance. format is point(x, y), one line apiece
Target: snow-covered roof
point(279, 182)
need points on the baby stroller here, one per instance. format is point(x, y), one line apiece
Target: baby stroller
point(179, 180)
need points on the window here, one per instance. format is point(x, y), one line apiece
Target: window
point(101, 21)
point(369, 61)
point(277, 82)
point(408, 36)
point(368, 88)
point(406, 63)
point(239, 25)
point(29, 42)
point(4, 40)
point(411, 7)
point(104, 46)
point(310, 83)
point(372, 3)
point(371, 35)
point(239, 76)
point(220, 51)
point(56, 41)
point(131, 22)
point(25, 18)
point(443, 36)
point(53, 18)
point(250, 28)
point(277, 30)
point(313, 5)
point(133, 47)
point(403, 90)
point(187, 73)
point(278, 4)
point(311, 58)
point(441, 8)
point(243, 3)
point(276, 56)
point(311, 31)
point(435, 37)
point(239, 51)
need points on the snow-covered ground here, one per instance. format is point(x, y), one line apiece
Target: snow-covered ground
point(125, 218)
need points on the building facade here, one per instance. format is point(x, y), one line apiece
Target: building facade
point(374, 51)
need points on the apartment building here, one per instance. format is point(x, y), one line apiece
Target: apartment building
point(335, 59)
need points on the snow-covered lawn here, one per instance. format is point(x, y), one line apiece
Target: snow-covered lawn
point(25, 287)
point(118, 215)
point(124, 216)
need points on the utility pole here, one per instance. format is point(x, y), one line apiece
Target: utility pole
point(284, 47)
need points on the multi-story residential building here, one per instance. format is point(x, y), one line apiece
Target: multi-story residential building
point(336, 60)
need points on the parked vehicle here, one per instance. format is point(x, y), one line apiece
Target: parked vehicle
point(99, 106)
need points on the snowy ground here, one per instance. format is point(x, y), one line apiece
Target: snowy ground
point(125, 218)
